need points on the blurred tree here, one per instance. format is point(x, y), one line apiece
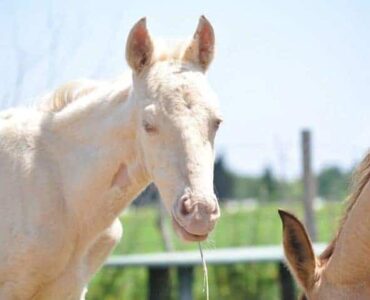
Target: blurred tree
point(269, 185)
point(148, 196)
point(246, 187)
point(333, 183)
point(223, 180)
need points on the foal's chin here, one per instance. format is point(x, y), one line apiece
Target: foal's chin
point(186, 235)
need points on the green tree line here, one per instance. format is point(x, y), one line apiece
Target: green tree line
point(332, 184)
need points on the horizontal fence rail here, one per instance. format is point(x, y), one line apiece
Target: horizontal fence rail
point(158, 265)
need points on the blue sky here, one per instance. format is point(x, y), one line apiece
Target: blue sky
point(280, 66)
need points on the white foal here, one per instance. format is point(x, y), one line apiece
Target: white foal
point(70, 167)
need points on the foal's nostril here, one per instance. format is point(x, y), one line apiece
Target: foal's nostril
point(212, 207)
point(186, 207)
point(216, 211)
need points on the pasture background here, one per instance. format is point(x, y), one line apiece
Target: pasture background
point(240, 225)
point(280, 66)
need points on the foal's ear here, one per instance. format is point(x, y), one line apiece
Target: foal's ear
point(298, 250)
point(201, 49)
point(139, 46)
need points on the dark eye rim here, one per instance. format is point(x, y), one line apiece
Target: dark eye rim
point(149, 128)
point(217, 123)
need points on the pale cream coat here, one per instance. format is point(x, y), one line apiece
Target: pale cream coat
point(70, 167)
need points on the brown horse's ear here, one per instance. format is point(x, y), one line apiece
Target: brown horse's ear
point(201, 49)
point(139, 47)
point(298, 250)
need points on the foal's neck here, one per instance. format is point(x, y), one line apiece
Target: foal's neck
point(98, 152)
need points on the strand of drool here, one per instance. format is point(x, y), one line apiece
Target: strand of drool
point(205, 271)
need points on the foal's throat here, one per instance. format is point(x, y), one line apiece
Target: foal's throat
point(128, 182)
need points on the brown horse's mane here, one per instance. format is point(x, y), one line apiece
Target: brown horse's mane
point(360, 178)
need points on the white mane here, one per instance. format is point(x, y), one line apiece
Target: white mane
point(67, 93)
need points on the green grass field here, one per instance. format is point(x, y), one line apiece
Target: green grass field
point(238, 226)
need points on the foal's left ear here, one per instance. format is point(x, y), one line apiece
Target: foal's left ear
point(201, 49)
point(139, 47)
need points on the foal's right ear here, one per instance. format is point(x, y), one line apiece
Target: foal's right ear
point(298, 250)
point(202, 47)
point(139, 47)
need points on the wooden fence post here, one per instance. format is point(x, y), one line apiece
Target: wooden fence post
point(308, 184)
point(159, 284)
point(186, 278)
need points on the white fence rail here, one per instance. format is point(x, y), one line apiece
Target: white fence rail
point(158, 265)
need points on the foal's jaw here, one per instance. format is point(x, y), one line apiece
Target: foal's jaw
point(185, 235)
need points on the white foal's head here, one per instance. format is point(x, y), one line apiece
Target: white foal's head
point(178, 117)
